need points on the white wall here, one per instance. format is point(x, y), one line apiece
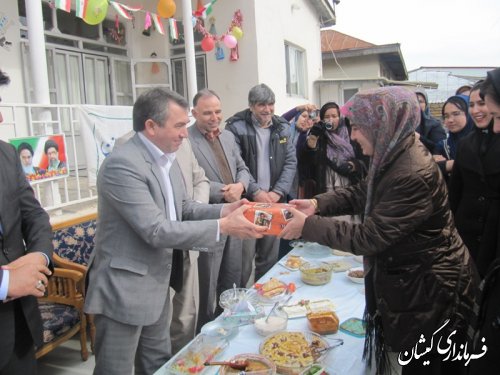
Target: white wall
point(353, 67)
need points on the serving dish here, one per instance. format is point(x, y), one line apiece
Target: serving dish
point(271, 291)
point(293, 352)
point(231, 298)
point(301, 308)
point(291, 262)
point(352, 275)
point(258, 365)
point(220, 328)
point(191, 359)
point(316, 273)
point(339, 265)
point(276, 321)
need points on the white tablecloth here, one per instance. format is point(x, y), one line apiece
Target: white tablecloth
point(349, 301)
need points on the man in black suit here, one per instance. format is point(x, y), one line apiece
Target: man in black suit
point(26, 248)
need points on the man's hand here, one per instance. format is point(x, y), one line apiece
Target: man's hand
point(275, 197)
point(27, 279)
point(293, 228)
point(230, 207)
point(237, 225)
point(30, 258)
point(262, 197)
point(304, 205)
point(232, 192)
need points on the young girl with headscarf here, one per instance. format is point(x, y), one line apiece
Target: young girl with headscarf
point(419, 277)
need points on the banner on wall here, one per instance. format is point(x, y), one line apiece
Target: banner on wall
point(100, 127)
point(42, 158)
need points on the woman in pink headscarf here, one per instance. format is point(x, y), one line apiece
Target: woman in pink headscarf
point(418, 273)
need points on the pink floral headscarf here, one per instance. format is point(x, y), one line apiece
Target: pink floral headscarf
point(385, 116)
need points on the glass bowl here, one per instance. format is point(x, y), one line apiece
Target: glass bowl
point(316, 273)
point(258, 365)
point(220, 328)
point(230, 298)
point(293, 352)
point(277, 321)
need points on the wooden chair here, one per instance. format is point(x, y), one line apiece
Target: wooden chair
point(62, 308)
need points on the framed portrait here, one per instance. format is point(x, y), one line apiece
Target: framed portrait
point(42, 158)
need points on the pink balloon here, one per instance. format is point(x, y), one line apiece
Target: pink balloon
point(230, 41)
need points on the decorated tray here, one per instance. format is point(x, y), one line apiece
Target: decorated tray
point(301, 308)
point(202, 349)
point(293, 352)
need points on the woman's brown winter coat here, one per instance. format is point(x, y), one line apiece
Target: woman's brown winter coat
point(418, 273)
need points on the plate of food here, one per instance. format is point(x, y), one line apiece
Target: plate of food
point(303, 307)
point(293, 352)
point(271, 291)
point(191, 359)
point(356, 275)
point(339, 265)
point(255, 364)
point(291, 262)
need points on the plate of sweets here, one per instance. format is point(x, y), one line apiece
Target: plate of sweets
point(292, 262)
point(191, 359)
point(273, 290)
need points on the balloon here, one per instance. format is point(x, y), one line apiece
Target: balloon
point(96, 11)
point(166, 8)
point(208, 43)
point(237, 32)
point(230, 41)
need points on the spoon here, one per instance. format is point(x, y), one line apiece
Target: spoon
point(237, 364)
point(272, 310)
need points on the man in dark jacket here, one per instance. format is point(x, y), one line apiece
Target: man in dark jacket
point(26, 244)
point(264, 142)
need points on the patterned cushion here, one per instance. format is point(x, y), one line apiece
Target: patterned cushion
point(76, 242)
point(57, 319)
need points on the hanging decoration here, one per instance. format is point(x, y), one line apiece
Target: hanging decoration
point(166, 8)
point(219, 51)
point(210, 38)
point(237, 32)
point(157, 23)
point(63, 5)
point(174, 31)
point(208, 43)
point(96, 11)
point(116, 33)
point(155, 68)
point(124, 10)
point(147, 25)
point(81, 8)
point(202, 11)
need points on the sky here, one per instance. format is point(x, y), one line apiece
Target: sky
point(430, 32)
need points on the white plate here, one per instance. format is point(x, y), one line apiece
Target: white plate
point(300, 309)
point(341, 253)
point(357, 280)
point(339, 265)
point(283, 260)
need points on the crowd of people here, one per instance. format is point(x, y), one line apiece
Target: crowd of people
point(378, 176)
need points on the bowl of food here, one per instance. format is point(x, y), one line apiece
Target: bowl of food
point(294, 352)
point(220, 328)
point(276, 321)
point(323, 322)
point(356, 275)
point(257, 365)
point(316, 273)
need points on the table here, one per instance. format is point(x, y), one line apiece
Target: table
point(349, 301)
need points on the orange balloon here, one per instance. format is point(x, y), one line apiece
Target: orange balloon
point(166, 8)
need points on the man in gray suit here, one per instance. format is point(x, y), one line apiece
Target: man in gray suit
point(143, 214)
point(218, 154)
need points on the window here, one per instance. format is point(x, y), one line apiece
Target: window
point(349, 93)
point(295, 71)
point(180, 75)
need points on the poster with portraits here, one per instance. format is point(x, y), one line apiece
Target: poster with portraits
point(42, 158)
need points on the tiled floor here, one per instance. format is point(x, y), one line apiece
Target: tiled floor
point(66, 360)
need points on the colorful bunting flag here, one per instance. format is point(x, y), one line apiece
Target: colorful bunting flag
point(81, 8)
point(63, 5)
point(157, 22)
point(123, 10)
point(174, 31)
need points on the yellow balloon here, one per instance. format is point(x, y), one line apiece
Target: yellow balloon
point(237, 32)
point(96, 11)
point(166, 8)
